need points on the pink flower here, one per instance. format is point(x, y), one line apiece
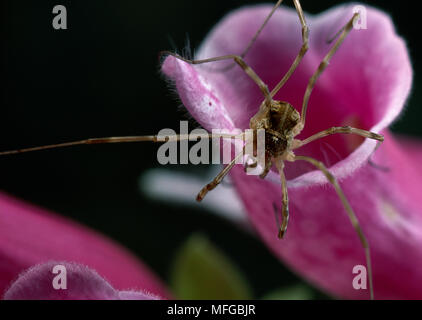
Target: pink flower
point(365, 86)
point(31, 236)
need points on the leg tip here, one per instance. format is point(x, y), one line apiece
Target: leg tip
point(281, 233)
point(201, 195)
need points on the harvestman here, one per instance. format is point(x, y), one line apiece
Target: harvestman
point(281, 122)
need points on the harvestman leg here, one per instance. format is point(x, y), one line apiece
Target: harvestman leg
point(267, 168)
point(324, 63)
point(302, 52)
point(154, 138)
point(303, 49)
point(285, 199)
point(217, 180)
point(344, 32)
point(350, 213)
point(248, 70)
point(256, 35)
point(346, 130)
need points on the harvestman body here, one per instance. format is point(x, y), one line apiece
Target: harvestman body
point(281, 122)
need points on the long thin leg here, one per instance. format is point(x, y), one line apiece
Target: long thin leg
point(252, 41)
point(217, 180)
point(346, 130)
point(329, 40)
point(284, 200)
point(350, 213)
point(267, 168)
point(324, 63)
point(154, 138)
point(302, 52)
point(239, 60)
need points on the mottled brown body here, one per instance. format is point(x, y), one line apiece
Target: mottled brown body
point(280, 121)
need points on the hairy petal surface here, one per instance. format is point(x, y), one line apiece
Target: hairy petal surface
point(75, 282)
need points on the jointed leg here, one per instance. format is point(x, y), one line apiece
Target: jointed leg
point(284, 201)
point(217, 180)
point(302, 52)
point(267, 167)
point(346, 130)
point(329, 40)
point(252, 41)
point(154, 138)
point(248, 70)
point(346, 29)
point(349, 211)
point(239, 60)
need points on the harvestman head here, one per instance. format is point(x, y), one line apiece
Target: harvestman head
point(280, 120)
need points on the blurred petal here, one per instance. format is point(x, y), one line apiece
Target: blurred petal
point(30, 235)
point(170, 186)
point(81, 283)
point(135, 295)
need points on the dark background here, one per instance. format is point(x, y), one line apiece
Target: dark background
point(100, 78)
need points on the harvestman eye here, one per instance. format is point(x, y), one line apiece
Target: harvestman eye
point(280, 120)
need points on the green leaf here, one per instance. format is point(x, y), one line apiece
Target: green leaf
point(298, 292)
point(201, 271)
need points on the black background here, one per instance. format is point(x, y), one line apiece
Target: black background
point(100, 77)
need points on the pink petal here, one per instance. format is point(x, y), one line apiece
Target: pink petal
point(322, 245)
point(366, 86)
point(82, 283)
point(30, 235)
point(194, 91)
point(412, 147)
